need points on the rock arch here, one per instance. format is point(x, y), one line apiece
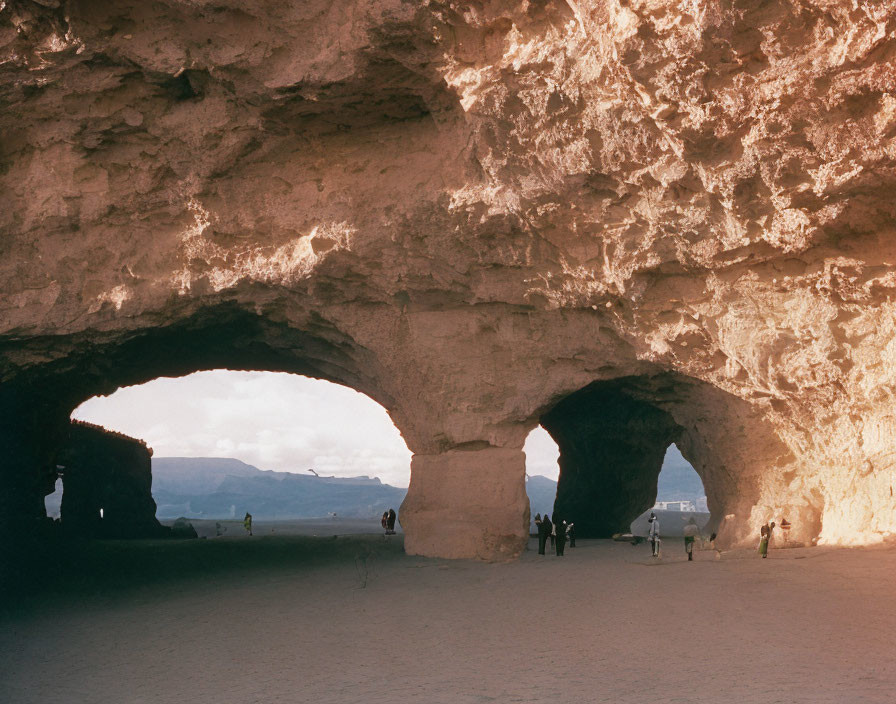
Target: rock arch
point(611, 452)
point(469, 216)
point(614, 434)
point(38, 404)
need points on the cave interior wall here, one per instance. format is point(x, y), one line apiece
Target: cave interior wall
point(611, 452)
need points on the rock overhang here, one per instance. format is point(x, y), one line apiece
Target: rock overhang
point(470, 212)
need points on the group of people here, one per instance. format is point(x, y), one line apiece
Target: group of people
point(558, 533)
point(389, 521)
point(691, 533)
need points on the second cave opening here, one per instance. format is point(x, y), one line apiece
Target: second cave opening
point(614, 438)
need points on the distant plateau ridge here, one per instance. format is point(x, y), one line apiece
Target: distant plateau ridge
point(213, 487)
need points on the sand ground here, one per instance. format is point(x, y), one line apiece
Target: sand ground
point(353, 619)
point(319, 527)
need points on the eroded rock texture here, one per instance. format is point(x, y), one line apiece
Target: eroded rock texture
point(469, 212)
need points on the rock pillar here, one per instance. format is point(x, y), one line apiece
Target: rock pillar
point(467, 504)
point(24, 474)
point(109, 471)
point(130, 510)
point(29, 438)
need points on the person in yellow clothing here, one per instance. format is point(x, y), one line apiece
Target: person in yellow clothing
point(691, 531)
point(247, 523)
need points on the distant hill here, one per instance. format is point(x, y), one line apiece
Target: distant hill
point(198, 475)
point(542, 492)
point(210, 487)
point(215, 487)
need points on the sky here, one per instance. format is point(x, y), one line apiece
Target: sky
point(282, 422)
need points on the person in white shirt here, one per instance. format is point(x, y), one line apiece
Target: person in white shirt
point(653, 534)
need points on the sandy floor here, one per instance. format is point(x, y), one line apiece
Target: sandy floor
point(355, 620)
point(321, 527)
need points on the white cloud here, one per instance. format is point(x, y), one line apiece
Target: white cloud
point(274, 421)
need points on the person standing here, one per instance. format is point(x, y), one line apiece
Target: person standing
point(247, 523)
point(571, 532)
point(542, 533)
point(561, 537)
point(765, 537)
point(549, 528)
point(390, 522)
point(653, 534)
point(385, 521)
point(691, 531)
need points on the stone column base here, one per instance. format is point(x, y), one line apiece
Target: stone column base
point(467, 504)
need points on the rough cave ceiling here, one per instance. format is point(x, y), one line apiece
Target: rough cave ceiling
point(469, 212)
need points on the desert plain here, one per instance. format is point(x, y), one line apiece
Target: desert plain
point(296, 618)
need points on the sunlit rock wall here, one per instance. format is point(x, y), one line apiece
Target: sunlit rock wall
point(469, 212)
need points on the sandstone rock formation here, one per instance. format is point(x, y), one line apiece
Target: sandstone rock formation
point(471, 212)
point(109, 472)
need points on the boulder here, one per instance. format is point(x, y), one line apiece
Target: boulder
point(183, 529)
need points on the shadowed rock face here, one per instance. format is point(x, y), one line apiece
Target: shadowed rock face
point(112, 472)
point(611, 453)
point(468, 213)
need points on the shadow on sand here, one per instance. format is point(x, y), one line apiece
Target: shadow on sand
point(35, 572)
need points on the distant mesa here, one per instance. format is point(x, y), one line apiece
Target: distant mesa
point(221, 488)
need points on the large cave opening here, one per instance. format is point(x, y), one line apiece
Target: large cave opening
point(224, 443)
point(44, 443)
point(613, 437)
